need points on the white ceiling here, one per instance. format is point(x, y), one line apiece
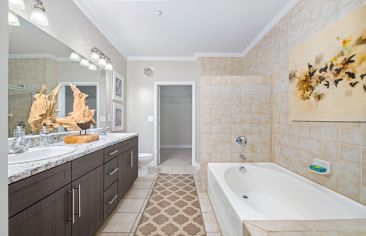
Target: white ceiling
point(186, 27)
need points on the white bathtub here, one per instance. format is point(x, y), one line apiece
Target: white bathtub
point(273, 193)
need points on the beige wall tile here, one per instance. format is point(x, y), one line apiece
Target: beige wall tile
point(263, 101)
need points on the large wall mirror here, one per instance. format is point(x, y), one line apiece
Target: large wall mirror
point(36, 58)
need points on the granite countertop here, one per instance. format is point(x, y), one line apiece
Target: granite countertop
point(350, 227)
point(17, 172)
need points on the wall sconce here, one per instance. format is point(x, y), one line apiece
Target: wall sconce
point(95, 54)
point(84, 62)
point(92, 67)
point(74, 57)
point(108, 66)
point(13, 19)
point(102, 60)
point(38, 14)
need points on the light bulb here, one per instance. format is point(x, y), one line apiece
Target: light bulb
point(13, 19)
point(94, 55)
point(102, 61)
point(92, 67)
point(18, 4)
point(108, 66)
point(38, 14)
point(84, 62)
point(74, 56)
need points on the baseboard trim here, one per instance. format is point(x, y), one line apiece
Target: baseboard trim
point(175, 146)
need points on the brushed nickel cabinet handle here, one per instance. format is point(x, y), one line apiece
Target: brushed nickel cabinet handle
point(131, 159)
point(113, 171)
point(73, 205)
point(113, 199)
point(79, 201)
point(114, 152)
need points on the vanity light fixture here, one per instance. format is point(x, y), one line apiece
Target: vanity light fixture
point(92, 67)
point(108, 66)
point(84, 62)
point(18, 4)
point(38, 14)
point(95, 55)
point(99, 58)
point(74, 57)
point(13, 19)
point(102, 61)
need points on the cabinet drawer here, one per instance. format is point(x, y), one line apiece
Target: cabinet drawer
point(112, 151)
point(119, 148)
point(85, 164)
point(110, 172)
point(110, 199)
point(25, 193)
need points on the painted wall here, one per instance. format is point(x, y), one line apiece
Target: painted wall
point(140, 95)
point(176, 116)
point(295, 144)
point(3, 117)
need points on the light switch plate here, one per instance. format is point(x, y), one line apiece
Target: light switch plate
point(150, 118)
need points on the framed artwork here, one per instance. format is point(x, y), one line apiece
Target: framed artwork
point(117, 87)
point(117, 118)
point(327, 73)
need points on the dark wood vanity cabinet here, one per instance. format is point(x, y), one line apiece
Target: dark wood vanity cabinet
point(50, 216)
point(73, 199)
point(87, 203)
point(128, 168)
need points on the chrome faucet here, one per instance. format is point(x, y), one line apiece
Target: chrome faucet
point(19, 143)
point(44, 142)
point(242, 157)
point(241, 141)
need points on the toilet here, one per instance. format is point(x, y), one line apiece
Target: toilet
point(144, 160)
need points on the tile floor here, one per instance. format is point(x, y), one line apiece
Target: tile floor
point(176, 156)
point(125, 218)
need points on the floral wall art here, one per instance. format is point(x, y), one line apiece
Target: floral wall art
point(327, 74)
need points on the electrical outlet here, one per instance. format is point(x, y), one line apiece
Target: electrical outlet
point(150, 118)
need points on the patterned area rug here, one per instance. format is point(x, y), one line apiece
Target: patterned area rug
point(173, 208)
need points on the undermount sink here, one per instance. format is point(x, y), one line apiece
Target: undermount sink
point(38, 154)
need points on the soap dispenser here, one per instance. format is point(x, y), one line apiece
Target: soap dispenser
point(44, 136)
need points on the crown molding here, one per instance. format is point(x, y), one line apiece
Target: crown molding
point(218, 54)
point(138, 58)
point(277, 18)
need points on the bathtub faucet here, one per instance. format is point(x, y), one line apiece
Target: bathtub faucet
point(242, 157)
point(242, 169)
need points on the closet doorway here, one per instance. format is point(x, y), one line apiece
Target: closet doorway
point(174, 123)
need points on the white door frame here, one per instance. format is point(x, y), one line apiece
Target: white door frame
point(61, 97)
point(156, 99)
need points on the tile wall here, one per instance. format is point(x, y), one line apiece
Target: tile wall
point(295, 144)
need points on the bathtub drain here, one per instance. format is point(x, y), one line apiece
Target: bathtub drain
point(245, 196)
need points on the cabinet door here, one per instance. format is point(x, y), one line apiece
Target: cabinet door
point(134, 167)
point(87, 204)
point(123, 174)
point(50, 216)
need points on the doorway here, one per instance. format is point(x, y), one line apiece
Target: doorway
point(174, 123)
